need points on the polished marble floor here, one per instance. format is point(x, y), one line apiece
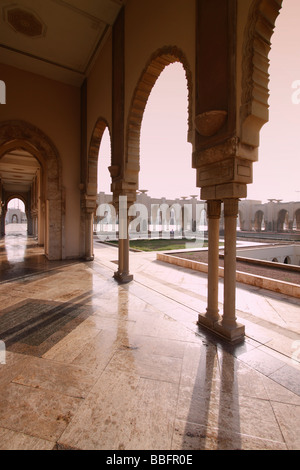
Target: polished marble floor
point(90, 364)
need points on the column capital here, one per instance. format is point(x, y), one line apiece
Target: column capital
point(214, 209)
point(231, 207)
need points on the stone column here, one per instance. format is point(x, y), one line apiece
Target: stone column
point(122, 275)
point(89, 245)
point(212, 312)
point(29, 224)
point(2, 222)
point(228, 326)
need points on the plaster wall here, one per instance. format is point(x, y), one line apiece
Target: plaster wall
point(269, 253)
point(151, 25)
point(99, 90)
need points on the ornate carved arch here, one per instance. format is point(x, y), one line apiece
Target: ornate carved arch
point(95, 142)
point(158, 61)
point(16, 196)
point(254, 112)
point(21, 134)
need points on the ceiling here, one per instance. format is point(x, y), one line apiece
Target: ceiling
point(17, 171)
point(58, 39)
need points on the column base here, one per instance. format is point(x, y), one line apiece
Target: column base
point(235, 334)
point(232, 333)
point(204, 320)
point(123, 278)
point(89, 258)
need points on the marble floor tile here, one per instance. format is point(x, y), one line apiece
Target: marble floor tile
point(69, 380)
point(35, 412)
point(113, 417)
point(289, 377)
point(288, 417)
point(262, 361)
point(192, 436)
point(18, 441)
point(71, 345)
point(126, 366)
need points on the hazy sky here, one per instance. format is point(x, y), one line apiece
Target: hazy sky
point(166, 155)
point(277, 173)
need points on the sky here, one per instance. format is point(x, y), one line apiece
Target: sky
point(16, 204)
point(165, 154)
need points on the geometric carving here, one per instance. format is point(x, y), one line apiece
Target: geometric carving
point(209, 123)
point(254, 112)
point(231, 170)
point(24, 21)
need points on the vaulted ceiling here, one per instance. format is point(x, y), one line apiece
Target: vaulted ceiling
point(17, 171)
point(58, 39)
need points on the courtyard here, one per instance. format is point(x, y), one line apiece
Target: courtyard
point(91, 364)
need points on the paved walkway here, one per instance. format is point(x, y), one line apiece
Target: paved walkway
point(94, 365)
point(285, 273)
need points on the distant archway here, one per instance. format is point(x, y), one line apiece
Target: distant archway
point(157, 63)
point(23, 135)
point(259, 223)
point(297, 219)
point(282, 220)
point(95, 142)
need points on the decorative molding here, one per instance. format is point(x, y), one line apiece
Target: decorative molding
point(114, 171)
point(255, 66)
point(231, 207)
point(214, 209)
point(93, 153)
point(158, 61)
point(24, 21)
point(209, 123)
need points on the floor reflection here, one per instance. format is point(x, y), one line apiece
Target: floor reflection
point(213, 417)
point(21, 256)
point(15, 247)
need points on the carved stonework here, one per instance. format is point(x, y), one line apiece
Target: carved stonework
point(209, 123)
point(114, 171)
point(231, 207)
point(233, 169)
point(213, 209)
point(93, 153)
point(254, 112)
point(24, 21)
point(217, 153)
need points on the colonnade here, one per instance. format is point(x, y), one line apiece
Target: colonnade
point(227, 325)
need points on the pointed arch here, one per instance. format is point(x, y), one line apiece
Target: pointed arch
point(16, 196)
point(93, 153)
point(18, 134)
point(157, 63)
